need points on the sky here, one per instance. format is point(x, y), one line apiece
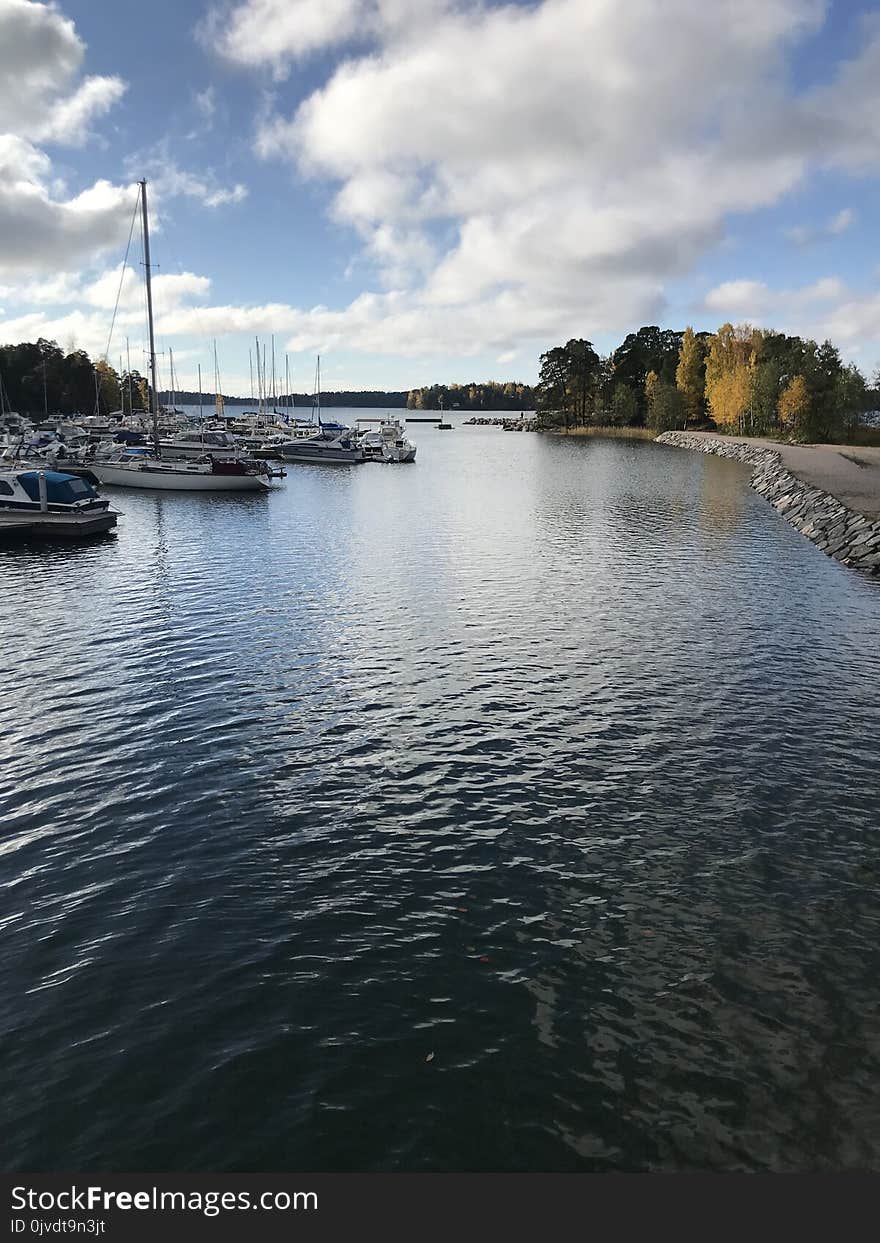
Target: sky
point(435, 191)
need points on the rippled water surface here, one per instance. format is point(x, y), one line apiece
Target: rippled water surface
point(556, 760)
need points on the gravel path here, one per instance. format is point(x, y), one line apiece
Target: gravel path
point(849, 472)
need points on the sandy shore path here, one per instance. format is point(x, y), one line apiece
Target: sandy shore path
point(849, 472)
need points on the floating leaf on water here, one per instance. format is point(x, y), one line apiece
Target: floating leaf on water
point(430, 1057)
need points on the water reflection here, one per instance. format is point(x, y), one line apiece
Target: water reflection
point(498, 757)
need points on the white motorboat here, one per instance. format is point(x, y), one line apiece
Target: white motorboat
point(327, 445)
point(202, 444)
point(53, 503)
point(387, 443)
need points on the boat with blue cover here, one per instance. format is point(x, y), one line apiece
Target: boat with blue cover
point(51, 502)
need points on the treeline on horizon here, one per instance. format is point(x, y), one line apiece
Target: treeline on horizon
point(366, 398)
point(38, 378)
point(743, 379)
point(490, 395)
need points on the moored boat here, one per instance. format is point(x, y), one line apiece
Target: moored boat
point(325, 446)
point(140, 469)
point(51, 503)
point(387, 443)
point(131, 469)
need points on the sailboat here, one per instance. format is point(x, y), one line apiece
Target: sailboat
point(147, 468)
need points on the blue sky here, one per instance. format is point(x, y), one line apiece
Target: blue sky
point(438, 190)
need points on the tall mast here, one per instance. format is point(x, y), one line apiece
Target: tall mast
point(128, 366)
point(171, 369)
point(154, 399)
point(217, 383)
point(200, 389)
point(288, 402)
point(274, 394)
point(318, 389)
point(251, 368)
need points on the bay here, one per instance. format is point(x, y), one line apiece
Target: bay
point(553, 759)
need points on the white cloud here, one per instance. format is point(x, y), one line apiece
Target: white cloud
point(754, 300)
point(40, 56)
point(39, 232)
point(217, 198)
point(842, 221)
point(561, 201)
point(272, 33)
point(206, 102)
point(168, 180)
point(42, 228)
point(803, 236)
point(823, 309)
point(68, 119)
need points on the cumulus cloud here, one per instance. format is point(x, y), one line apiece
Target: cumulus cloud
point(41, 232)
point(555, 164)
point(41, 228)
point(573, 195)
point(753, 299)
point(272, 33)
point(40, 57)
point(825, 309)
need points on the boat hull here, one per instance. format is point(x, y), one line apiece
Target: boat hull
point(313, 457)
point(177, 481)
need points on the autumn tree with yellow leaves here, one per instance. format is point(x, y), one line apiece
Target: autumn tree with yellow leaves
point(794, 404)
point(690, 375)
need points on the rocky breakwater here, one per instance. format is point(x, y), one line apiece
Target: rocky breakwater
point(833, 527)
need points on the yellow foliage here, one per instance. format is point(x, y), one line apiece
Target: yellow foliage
point(728, 372)
point(794, 402)
point(729, 395)
point(689, 373)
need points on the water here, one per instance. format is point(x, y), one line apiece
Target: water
point(556, 760)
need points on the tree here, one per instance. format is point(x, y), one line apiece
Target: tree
point(649, 349)
point(652, 380)
point(584, 379)
point(794, 404)
point(767, 383)
point(731, 357)
point(624, 408)
point(551, 391)
point(690, 375)
point(569, 381)
point(851, 396)
point(667, 407)
point(109, 394)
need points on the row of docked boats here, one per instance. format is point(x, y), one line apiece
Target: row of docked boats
point(249, 450)
point(49, 486)
point(49, 479)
